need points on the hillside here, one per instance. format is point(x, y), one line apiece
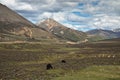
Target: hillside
point(15, 27)
point(99, 34)
point(61, 32)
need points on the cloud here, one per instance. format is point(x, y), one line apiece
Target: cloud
point(14, 4)
point(104, 21)
point(77, 14)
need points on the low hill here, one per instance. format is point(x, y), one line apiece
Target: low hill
point(99, 34)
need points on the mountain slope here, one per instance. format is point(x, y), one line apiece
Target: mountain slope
point(99, 34)
point(10, 16)
point(62, 32)
point(15, 27)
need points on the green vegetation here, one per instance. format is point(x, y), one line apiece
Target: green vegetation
point(72, 36)
point(90, 61)
point(96, 38)
point(94, 73)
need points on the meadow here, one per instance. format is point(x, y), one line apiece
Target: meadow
point(87, 61)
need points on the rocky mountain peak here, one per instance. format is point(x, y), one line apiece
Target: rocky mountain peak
point(60, 31)
point(50, 23)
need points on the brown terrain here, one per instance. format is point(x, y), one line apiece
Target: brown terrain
point(15, 27)
point(28, 61)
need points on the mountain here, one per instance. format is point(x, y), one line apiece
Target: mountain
point(60, 31)
point(15, 27)
point(99, 34)
point(116, 30)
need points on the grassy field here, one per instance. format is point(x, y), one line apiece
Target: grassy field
point(90, 61)
point(108, 72)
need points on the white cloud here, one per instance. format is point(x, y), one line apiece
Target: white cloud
point(75, 18)
point(8, 2)
point(24, 6)
point(59, 16)
point(104, 21)
point(46, 15)
point(17, 5)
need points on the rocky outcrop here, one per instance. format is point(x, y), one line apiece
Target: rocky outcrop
point(26, 31)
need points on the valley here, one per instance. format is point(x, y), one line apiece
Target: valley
point(50, 50)
point(93, 61)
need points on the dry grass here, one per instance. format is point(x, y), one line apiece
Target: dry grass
point(26, 61)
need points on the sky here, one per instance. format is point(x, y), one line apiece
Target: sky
point(81, 15)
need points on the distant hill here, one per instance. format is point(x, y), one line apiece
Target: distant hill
point(15, 27)
point(99, 34)
point(60, 31)
point(116, 30)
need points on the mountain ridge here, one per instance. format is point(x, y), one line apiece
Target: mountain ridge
point(60, 31)
point(100, 34)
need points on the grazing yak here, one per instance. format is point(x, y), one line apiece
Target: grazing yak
point(49, 66)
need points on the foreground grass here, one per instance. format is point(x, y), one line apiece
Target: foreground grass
point(94, 73)
point(26, 61)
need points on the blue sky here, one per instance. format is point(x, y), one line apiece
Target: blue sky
point(77, 14)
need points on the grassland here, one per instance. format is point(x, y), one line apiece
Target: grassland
point(90, 61)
